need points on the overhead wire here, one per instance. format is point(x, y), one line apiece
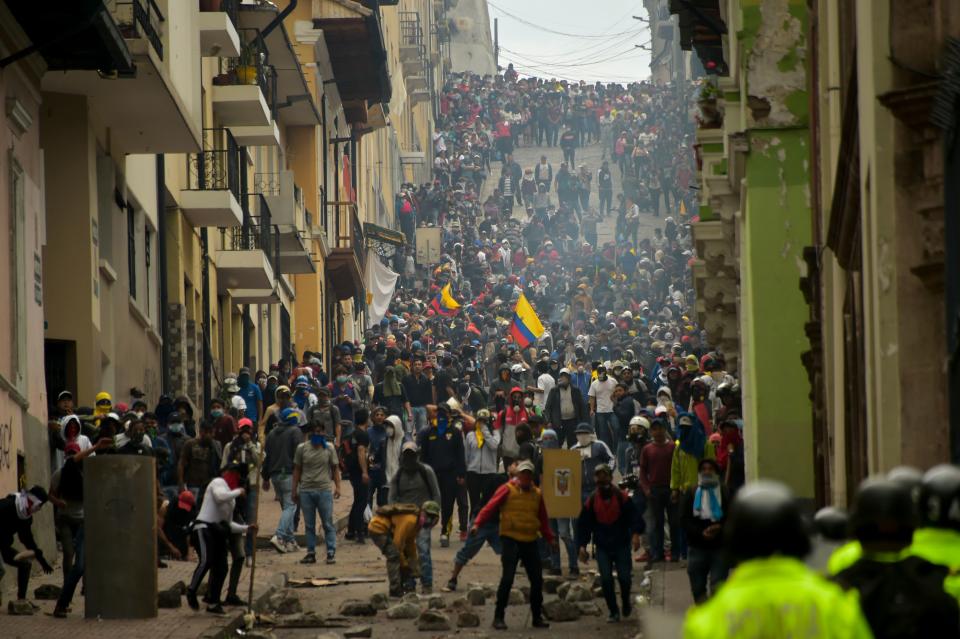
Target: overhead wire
point(589, 51)
point(539, 27)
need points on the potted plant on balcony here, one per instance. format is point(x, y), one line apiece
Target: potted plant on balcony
point(248, 67)
point(711, 116)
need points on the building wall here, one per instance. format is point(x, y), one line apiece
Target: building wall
point(471, 41)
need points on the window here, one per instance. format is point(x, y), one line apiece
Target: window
point(132, 250)
point(18, 276)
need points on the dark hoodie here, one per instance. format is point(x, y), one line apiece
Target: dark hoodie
point(502, 383)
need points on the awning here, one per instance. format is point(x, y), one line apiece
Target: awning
point(383, 234)
point(358, 57)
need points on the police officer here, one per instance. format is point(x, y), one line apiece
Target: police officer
point(938, 538)
point(771, 593)
point(901, 596)
point(830, 526)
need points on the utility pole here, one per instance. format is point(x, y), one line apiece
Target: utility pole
point(496, 44)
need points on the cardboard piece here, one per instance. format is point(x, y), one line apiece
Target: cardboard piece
point(562, 470)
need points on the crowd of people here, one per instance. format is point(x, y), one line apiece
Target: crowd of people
point(444, 408)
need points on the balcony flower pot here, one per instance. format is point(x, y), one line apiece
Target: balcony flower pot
point(246, 74)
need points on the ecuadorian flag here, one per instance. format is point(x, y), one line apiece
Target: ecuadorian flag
point(444, 304)
point(526, 326)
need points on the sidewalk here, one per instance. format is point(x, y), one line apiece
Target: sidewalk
point(179, 623)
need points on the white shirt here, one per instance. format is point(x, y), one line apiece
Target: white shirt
point(545, 383)
point(218, 503)
point(602, 392)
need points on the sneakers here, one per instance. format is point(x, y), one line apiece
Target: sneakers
point(444, 541)
point(248, 562)
point(192, 600)
point(278, 544)
point(310, 558)
point(331, 559)
point(613, 617)
point(233, 600)
point(499, 624)
point(540, 623)
point(216, 609)
point(292, 545)
point(60, 613)
point(451, 586)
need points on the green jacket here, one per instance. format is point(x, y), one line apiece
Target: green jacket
point(776, 598)
point(844, 557)
point(683, 471)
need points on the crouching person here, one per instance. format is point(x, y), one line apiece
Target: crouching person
point(394, 530)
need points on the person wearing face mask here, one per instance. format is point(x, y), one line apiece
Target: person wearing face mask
point(172, 439)
point(394, 530)
point(523, 518)
point(316, 484)
point(377, 457)
point(271, 416)
point(251, 394)
point(199, 461)
point(565, 408)
point(224, 426)
point(277, 469)
point(16, 519)
point(692, 447)
point(611, 520)
point(507, 421)
point(326, 412)
point(600, 397)
point(244, 452)
point(703, 515)
point(441, 448)
point(416, 483)
point(342, 394)
point(393, 429)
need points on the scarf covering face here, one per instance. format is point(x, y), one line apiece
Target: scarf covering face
point(712, 510)
point(692, 438)
point(27, 503)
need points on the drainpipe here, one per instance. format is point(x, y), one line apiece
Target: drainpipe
point(205, 309)
point(165, 381)
point(280, 17)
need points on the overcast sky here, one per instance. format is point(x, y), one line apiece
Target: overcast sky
point(573, 39)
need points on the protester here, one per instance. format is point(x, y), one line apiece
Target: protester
point(394, 530)
point(277, 469)
point(703, 514)
point(416, 483)
point(315, 485)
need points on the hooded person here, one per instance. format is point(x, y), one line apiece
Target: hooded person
point(703, 513)
point(692, 447)
point(16, 519)
point(71, 430)
point(500, 389)
point(514, 414)
point(416, 483)
point(394, 441)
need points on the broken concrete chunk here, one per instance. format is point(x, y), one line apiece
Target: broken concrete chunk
point(468, 619)
point(284, 602)
point(516, 598)
point(403, 610)
point(560, 610)
point(358, 632)
point(380, 601)
point(436, 602)
point(357, 608)
point(589, 608)
point(432, 621)
point(47, 592)
point(552, 583)
point(578, 592)
point(169, 598)
point(476, 596)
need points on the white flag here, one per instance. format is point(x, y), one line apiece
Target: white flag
point(381, 283)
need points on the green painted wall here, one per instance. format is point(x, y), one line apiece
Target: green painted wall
point(775, 228)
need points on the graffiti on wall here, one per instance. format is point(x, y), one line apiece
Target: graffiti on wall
point(6, 446)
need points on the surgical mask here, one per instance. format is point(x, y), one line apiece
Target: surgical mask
point(216, 413)
point(139, 414)
point(708, 481)
point(516, 403)
point(342, 379)
point(527, 402)
point(584, 439)
point(176, 428)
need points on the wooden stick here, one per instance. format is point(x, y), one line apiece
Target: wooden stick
point(253, 555)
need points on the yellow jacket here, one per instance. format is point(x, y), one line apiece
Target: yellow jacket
point(404, 528)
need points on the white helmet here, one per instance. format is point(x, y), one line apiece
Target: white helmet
point(641, 421)
point(516, 369)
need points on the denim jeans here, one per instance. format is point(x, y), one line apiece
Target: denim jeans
point(419, 418)
point(565, 530)
point(283, 485)
point(704, 563)
point(426, 564)
point(608, 559)
point(605, 425)
point(72, 580)
point(489, 533)
point(312, 502)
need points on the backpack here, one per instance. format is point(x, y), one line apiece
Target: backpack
point(389, 510)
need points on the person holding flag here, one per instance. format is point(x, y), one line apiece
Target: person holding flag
point(444, 304)
point(526, 327)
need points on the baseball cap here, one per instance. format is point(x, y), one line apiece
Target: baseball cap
point(408, 446)
point(186, 500)
point(583, 427)
point(64, 394)
point(526, 464)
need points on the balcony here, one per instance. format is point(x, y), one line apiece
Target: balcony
point(358, 56)
point(412, 50)
point(285, 200)
point(212, 196)
point(217, 23)
point(139, 104)
point(345, 262)
point(296, 106)
point(244, 89)
point(247, 261)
